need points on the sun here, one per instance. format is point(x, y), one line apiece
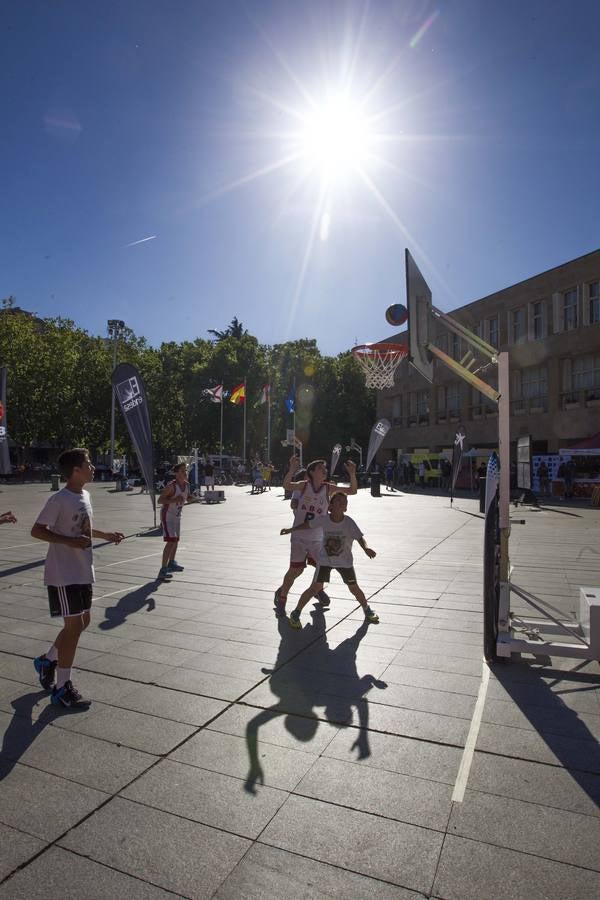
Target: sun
point(335, 138)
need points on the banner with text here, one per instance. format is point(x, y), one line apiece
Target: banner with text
point(131, 395)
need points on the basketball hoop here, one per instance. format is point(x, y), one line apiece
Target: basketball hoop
point(379, 362)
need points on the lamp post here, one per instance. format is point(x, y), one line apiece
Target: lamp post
point(115, 330)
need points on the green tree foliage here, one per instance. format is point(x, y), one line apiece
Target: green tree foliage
point(59, 381)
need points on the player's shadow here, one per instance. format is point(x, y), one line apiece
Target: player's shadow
point(330, 681)
point(127, 604)
point(22, 731)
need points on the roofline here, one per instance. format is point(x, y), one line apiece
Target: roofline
point(530, 278)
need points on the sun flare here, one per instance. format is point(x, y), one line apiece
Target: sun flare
point(335, 138)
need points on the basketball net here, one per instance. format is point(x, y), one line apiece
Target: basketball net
point(379, 363)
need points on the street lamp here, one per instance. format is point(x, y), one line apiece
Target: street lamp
point(116, 328)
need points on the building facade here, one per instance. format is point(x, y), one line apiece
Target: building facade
point(550, 326)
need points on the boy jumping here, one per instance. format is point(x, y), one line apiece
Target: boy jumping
point(66, 524)
point(172, 498)
point(339, 531)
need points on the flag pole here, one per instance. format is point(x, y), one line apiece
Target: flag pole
point(294, 415)
point(244, 446)
point(269, 420)
point(221, 435)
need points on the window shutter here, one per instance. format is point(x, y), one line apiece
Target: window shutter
point(557, 312)
point(516, 385)
point(585, 318)
point(567, 375)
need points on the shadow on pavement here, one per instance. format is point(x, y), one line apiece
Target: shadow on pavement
point(529, 686)
point(128, 604)
point(22, 730)
point(300, 690)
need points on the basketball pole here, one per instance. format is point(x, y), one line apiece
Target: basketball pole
point(504, 490)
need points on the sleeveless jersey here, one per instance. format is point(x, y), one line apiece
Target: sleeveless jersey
point(173, 510)
point(311, 503)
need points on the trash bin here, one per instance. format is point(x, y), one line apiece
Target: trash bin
point(55, 485)
point(482, 495)
point(375, 484)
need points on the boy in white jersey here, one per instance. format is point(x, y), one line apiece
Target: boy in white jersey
point(338, 533)
point(172, 498)
point(66, 524)
point(313, 500)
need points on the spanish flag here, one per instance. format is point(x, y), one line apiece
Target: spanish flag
point(238, 394)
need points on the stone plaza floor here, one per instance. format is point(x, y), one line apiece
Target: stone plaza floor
point(226, 755)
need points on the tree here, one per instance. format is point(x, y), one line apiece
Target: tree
point(9, 302)
point(234, 330)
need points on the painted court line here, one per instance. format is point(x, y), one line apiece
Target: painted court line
point(462, 778)
point(122, 562)
point(131, 587)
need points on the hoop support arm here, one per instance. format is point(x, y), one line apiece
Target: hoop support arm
point(465, 374)
point(466, 334)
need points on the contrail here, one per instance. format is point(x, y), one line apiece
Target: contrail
point(143, 241)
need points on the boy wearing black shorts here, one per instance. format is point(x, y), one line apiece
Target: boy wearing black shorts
point(65, 523)
point(339, 532)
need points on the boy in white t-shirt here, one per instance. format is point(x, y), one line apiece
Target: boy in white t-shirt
point(339, 531)
point(66, 524)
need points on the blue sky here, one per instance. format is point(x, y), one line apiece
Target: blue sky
point(128, 120)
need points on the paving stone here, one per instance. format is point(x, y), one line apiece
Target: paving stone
point(407, 799)
point(176, 705)
point(369, 845)
point(569, 752)
point(581, 698)
point(79, 758)
point(436, 681)
point(470, 870)
point(528, 827)
point(435, 662)
point(129, 728)
point(207, 797)
point(168, 851)
point(41, 804)
point(583, 726)
point(521, 780)
point(17, 848)
point(434, 701)
point(281, 767)
point(63, 874)
point(220, 687)
point(266, 872)
point(396, 754)
point(123, 667)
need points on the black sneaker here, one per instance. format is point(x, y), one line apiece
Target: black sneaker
point(280, 603)
point(323, 599)
point(68, 696)
point(46, 669)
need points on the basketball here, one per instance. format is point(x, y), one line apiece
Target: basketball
point(396, 314)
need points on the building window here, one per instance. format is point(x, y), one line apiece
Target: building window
point(493, 331)
point(422, 406)
point(537, 320)
point(586, 374)
point(455, 347)
point(570, 310)
point(594, 302)
point(453, 399)
point(517, 325)
point(534, 385)
point(397, 410)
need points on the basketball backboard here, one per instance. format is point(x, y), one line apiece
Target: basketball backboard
point(418, 302)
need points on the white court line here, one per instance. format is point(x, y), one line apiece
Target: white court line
point(122, 562)
point(462, 778)
point(14, 546)
point(131, 587)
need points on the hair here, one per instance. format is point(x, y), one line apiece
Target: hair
point(313, 465)
point(179, 466)
point(71, 459)
point(337, 494)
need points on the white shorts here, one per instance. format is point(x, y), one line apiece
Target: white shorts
point(171, 523)
point(209, 481)
point(303, 550)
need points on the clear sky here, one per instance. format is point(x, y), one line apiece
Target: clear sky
point(467, 130)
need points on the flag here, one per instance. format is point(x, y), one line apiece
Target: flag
point(131, 394)
point(335, 458)
point(265, 393)
point(215, 394)
point(457, 454)
point(491, 479)
point(378, 432)
point(290, 400)
point(5, 468)
point(238, 394)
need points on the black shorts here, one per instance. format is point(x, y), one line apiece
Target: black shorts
point(70, 600)
point(323, 574)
